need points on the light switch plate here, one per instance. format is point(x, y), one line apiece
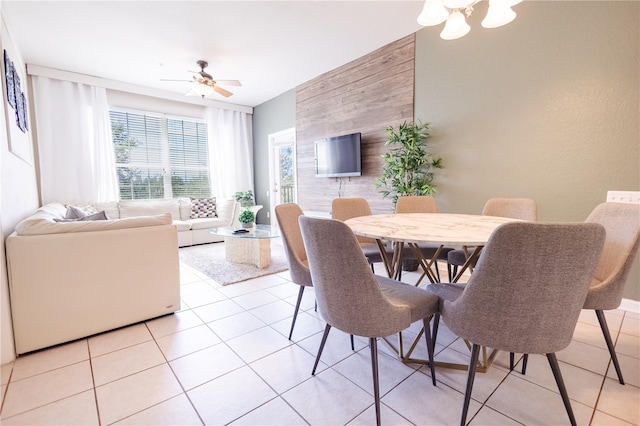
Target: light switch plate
point(630, 197)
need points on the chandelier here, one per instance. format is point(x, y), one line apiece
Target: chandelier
point(436, 12)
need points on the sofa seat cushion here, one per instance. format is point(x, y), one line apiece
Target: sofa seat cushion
point(182, 225)
point(213, 222)
point(132, 208)
point(39, 225)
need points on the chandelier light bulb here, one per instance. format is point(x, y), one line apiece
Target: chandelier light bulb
point(455, 27)
point(459, 4)
point(499, 14)
point(199, 89)
point(433, 13)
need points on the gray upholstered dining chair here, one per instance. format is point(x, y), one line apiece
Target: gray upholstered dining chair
point(516, 208)
point(422, 204)
point(622, 223)
point(526, 300)
point(346, 208)
point(287, 215)
point(352, 299)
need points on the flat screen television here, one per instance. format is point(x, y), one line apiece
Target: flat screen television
point(338, 156)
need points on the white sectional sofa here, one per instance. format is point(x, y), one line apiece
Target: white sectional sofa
point(69, 280)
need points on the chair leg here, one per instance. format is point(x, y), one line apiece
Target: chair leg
point(512, 357)
point(607, 337)
point(353, 347)
point(436, 323)
point(553, 362)
point(435, 265)
point(373, 343)
point(475, 352)
point(449, 272)
point(427, 336)
point(327, 328)
point(525, 358)
point(295, 312)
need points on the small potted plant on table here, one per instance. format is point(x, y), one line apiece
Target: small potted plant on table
point(247, 218)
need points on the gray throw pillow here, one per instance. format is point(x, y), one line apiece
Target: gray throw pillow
point(96, 216)
point(76, 212)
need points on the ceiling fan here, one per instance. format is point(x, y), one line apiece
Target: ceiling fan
point(203, 83)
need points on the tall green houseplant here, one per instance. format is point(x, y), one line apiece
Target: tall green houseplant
point(408, 167)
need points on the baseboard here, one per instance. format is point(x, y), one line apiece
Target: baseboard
point(630, 305)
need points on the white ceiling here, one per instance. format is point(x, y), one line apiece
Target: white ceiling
point(270, 46)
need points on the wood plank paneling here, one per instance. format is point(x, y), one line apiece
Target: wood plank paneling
point(365, 95)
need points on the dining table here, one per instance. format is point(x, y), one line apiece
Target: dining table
point(468, 232)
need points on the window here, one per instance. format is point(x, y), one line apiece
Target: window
point(159, 156)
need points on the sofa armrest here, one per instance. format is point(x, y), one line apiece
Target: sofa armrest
point(226, 210)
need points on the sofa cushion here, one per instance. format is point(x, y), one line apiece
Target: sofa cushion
point(181, 225)
point(203, 208)
point(110, 208)
point(213, 222)
point(41, 224)
point(133, 208)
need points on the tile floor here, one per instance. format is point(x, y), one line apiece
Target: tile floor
point(224, 358)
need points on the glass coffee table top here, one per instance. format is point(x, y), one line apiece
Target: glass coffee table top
point(257, 232)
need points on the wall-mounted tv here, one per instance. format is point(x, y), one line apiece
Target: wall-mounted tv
point(338, 156)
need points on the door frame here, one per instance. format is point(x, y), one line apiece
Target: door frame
point(276, 140)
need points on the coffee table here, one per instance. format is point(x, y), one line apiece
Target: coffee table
point(252, 247)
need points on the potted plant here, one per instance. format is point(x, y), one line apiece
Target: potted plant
point(408, 167)
point(246, 218)
point(245, 198)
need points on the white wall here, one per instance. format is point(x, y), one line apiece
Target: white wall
point(18, 191)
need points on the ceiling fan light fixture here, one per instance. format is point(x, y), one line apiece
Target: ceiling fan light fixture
point(499, 14)
point(199, 89)
point(433, 13)
point(455, 27)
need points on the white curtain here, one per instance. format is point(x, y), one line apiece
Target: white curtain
point(74, 142)
point(230, 151)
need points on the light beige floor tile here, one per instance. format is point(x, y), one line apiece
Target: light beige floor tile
point(42, 389)
point(119, 339)
point(189, 275)
point(530, 404)
point(388, 417)
point(267, 281)
point(200, 293)
point(258, 343)
point(620, 401)
point(629, 345)
point(235, 325)
point(308, 301)
point(591, 335)
point(132, 394)
point(274, 413)
point(231, 396)
point(328, 399)
point(631, 314)
point(391, 371)
point(337, 347)
point(613, 317)
point(603, 419)
point(238, 289)
point(274, 312)
point(286, 368)
point(172, 412)
point(630, 370)
point(585, 356)
point(207, 364)
point(50, 359)
point(489, 417)
point(79, 409)
point(306, 325)
point(285, 290)
point(187, 341)
point(174, 323)
point(218, 310)
point(484, 383)
point(5, 372)
point(255, 299)
point(116, 365)
point(582, 385)
point(631, 326)
point(424, 404)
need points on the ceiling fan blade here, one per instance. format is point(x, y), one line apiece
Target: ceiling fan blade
point(229, 82)
point(222, 91)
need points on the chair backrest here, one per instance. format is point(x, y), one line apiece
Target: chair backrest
point(528, 288)
point(516, 208)
point(416, 204)
point(622, 222)
point(349, 297)
point(287, 215)
point(347, 208)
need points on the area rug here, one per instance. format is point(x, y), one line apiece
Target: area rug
point(211, 262)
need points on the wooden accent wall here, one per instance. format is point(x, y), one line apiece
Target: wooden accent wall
point(365, 96)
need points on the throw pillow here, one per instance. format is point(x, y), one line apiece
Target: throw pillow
point(96, 216)
point(203, 207)
point(76, 212)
